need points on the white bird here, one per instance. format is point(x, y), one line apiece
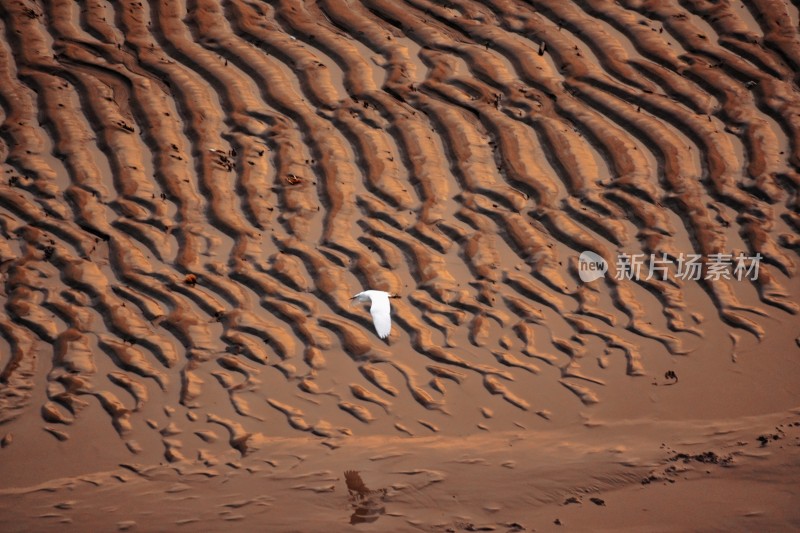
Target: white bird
point(380, 310)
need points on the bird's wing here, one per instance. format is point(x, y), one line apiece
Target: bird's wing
point(381, 316)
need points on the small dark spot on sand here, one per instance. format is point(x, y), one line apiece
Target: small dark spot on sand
point(767, 438)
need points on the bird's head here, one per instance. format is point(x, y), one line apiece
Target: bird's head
point(360, 297)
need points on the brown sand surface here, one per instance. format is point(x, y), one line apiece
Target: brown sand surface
point(191, 191)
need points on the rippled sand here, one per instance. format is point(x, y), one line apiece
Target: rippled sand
point(192, 191)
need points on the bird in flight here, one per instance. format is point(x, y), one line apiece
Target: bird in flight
point(380, 310)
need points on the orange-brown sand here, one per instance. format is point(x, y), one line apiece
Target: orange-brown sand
point(192, 191)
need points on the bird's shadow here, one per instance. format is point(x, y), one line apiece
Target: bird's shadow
point(367, 504)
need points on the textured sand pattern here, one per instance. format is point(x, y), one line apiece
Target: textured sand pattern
point(192, 190)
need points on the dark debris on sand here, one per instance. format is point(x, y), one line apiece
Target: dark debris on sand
point(705, 457)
